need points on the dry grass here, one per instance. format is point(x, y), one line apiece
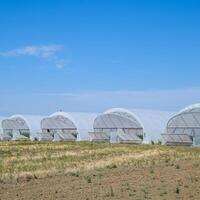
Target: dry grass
point(18, 159)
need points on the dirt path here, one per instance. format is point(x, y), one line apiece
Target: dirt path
point(180, 180)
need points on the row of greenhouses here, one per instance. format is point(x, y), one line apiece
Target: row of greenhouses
point(116, 125)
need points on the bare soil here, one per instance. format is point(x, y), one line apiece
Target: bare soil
point(165, 180)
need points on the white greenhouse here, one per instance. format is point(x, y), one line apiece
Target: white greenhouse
point(117, 125)
point(129, 126)
point(59, 126)
point(62, 126)
point(184, 127)
point(20, 127)
point(132, 126)
point(4, 136)
point(16, 127)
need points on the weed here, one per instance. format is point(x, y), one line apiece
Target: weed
point(196, 165)
point(99, 175)
point(177, 190)
point(151, 170)
point(177, 167)
point(110, 193)
point(145, 193)
point(88, 179)
point(159, 142)
point(112, 166)
point(75, 174)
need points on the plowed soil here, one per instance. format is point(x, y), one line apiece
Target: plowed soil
point(165, 180)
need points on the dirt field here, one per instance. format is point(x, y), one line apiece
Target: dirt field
point(98, 171)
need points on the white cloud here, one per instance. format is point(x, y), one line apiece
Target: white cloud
point(62, 63)
point(47, 52)
point(43, 51)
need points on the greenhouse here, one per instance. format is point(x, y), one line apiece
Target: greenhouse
point(59, 126)
point(184, 127)
point(15, 128)
point(5, 137)
point(117, 125)
point(20, 127)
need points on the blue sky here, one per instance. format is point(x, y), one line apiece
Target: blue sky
point(92, 55)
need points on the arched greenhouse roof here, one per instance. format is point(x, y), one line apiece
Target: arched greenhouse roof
point(58, 120)
point(152, 121)
point(117, 118)
point(32, 121)
point(188, 117)
point(82, 121)
point(191, 108)
point(15, 122)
